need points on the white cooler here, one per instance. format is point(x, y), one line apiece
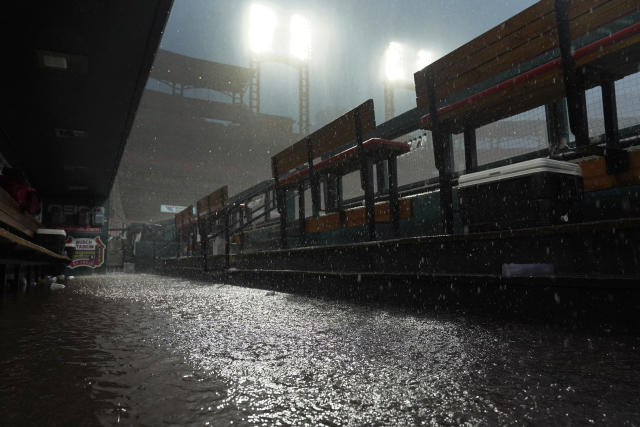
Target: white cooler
point(52, 239)
point(533, 193)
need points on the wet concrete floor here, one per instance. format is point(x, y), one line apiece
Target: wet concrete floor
point(150, 350)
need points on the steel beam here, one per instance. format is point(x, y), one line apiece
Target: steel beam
point(610, 111)
point(443, 153)
point(281, 203)
point(470, 150)
point(301, 212)
point(573, 80)
point(314, 181)
point(304, 124)
point(557, 126)
point(366, 181)
point(227, 239)
point(394, 202)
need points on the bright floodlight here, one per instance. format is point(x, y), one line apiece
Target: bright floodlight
point(394, 67)
point(262, 24)
point(424, 58)
point(300, 44)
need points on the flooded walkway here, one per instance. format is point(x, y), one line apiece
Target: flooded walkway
point(149, 350)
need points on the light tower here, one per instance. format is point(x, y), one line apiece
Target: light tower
point(263, 25)
point(395, 74)
point(254, 86)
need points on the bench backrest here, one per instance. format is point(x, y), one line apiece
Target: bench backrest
point(326, 139)
point(213, 201)
point(184, 219)
point(520, 44)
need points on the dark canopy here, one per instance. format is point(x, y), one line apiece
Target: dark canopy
point(73, 73)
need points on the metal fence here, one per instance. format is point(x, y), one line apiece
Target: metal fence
point(514, 136)
point(517, 135)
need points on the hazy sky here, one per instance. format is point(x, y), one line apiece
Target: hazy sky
point(348, 40)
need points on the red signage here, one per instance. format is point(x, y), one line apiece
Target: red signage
point(89, 252)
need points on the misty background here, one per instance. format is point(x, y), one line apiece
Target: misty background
point(348, 39)
point(180, 149)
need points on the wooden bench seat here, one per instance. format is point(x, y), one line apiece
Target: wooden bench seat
point(326, 155)
point(331, 137)
point(348, 161)
point(17, 249)
point(551, 50)
point(595, 176)
point(525, 42)
point(530, 89)
point(15, 241)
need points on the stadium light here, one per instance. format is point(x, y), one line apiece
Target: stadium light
point(424, 58)
point(393, 59)
point(300, 33)
point(262, 24)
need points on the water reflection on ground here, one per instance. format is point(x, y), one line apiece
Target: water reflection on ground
point(149, 350)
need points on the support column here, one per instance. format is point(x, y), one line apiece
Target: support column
point(443, 153)
point(446, 189)
point(557, 126)
point(369, 200)
point(573, 81)
point(470, 150)
point(204, 248)
point(382, 176)
point(610, 111)
point(194, 237)
point(314, 182)
point(301, 213)
point(267, 205)
point(281, 204)
point(389, 102)
point(178, 232)
point(616, 159)
point(254, 86)
point(394, 202)
point(382, 168)
point(331, 193)
point(366, 181)
point(304, 123)
point(339, 202)
point(227, 239)
point(203, 222)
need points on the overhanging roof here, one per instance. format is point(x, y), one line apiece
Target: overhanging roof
point(199, 73)
point(66, 123)
point(182, 106)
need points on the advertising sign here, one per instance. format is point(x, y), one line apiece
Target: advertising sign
point(171, 209)
point(89, 252)
point(86, 223)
